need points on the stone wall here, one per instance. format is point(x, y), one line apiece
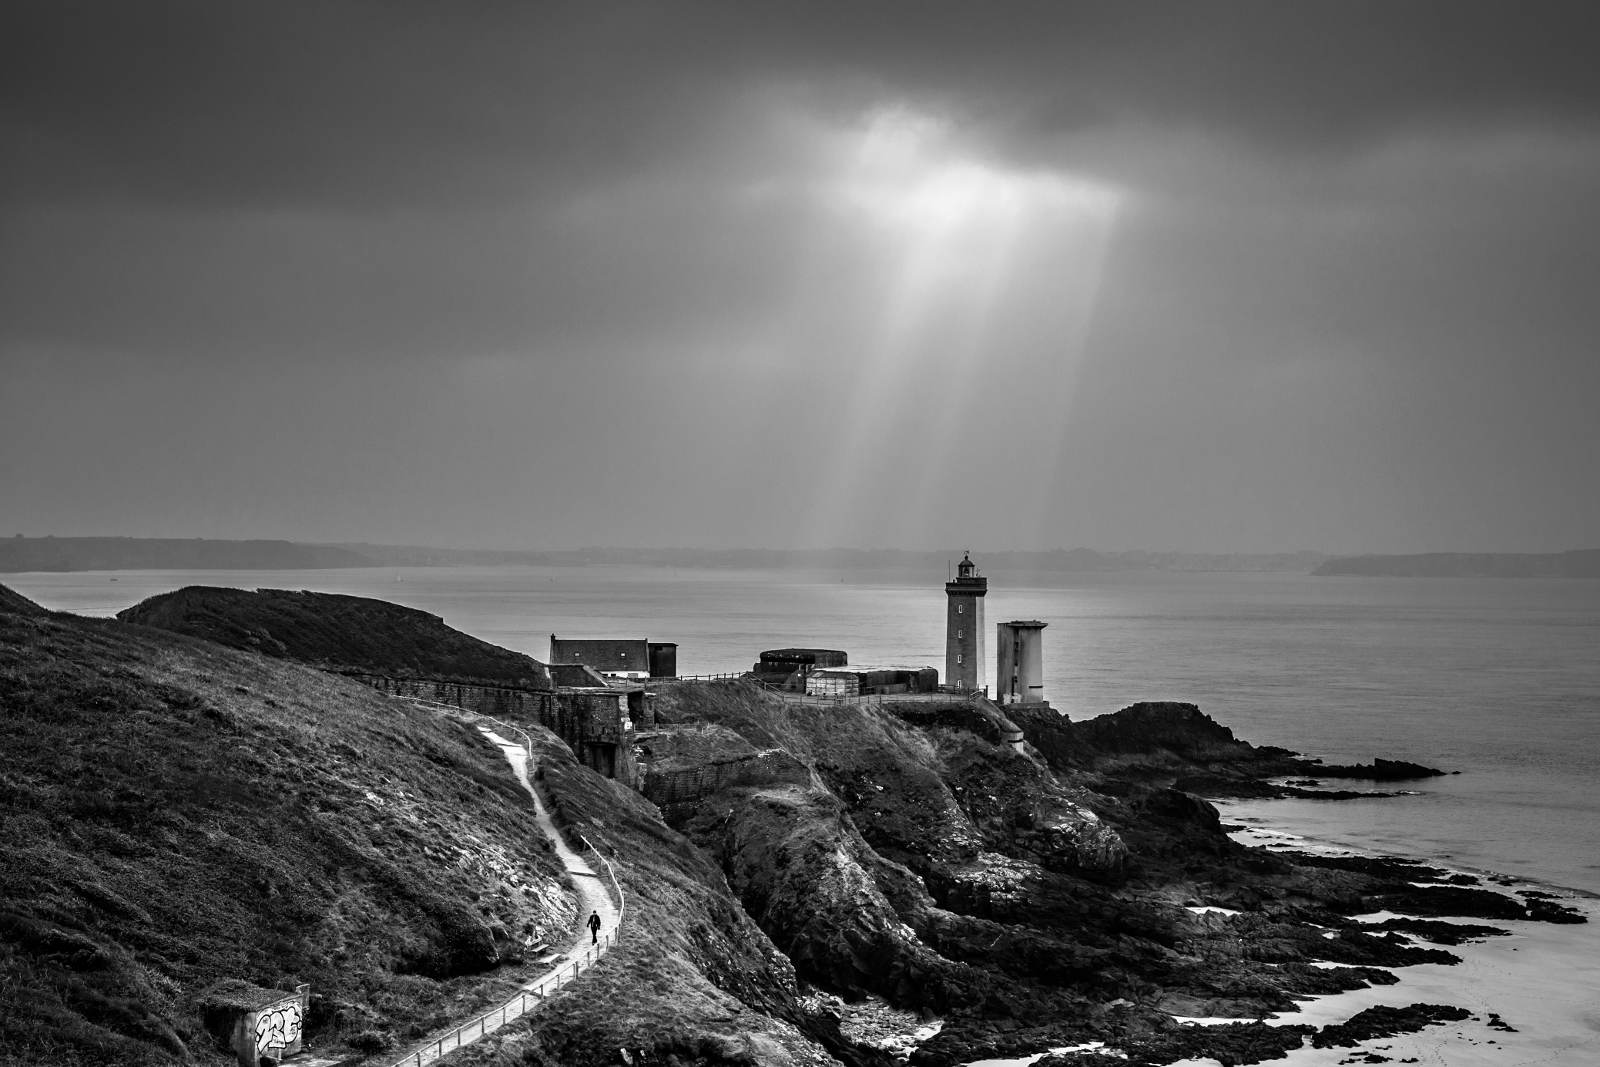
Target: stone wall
point(595, 724)
point(483, 698)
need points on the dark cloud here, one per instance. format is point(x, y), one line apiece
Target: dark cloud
point(444, 104)
point(290, 269)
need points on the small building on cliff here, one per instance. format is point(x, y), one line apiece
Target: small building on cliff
point(1019, 662)
point(618, 658)
point(870, 681)
point(256, 1024)
point(786, 668)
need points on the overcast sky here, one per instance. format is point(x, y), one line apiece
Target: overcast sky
point(1221, 276)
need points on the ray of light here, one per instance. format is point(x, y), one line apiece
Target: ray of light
point(954, 228)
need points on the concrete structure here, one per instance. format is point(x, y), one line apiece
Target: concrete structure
point(500, 699)
point(594, 715)
point(787, 668)
point(870, 681)
point(1019, 662)
point(258, 1025)
point(600, 724)
point(963, 642)
point(626, 658)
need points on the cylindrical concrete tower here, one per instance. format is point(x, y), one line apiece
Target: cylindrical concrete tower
point(1019, 661)
point(963, 634)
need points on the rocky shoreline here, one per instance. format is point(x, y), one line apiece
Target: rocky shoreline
point(1077, 894)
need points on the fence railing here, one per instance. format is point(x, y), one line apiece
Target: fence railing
point(513, 1009)
point(517, 1006)
point(835, 699)
point(622, 905)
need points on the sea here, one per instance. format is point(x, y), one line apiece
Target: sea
point(1497, 679)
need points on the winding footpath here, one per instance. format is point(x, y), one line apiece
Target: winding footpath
point(573, 960)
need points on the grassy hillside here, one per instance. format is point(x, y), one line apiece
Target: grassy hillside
point(174, 813)
point(15, 602)
point(336, 631)
point(694, 982)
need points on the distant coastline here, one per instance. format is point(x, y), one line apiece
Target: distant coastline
point(1582, 563)
point(19, 554)
point(65, 554)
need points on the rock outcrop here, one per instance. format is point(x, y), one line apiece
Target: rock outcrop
point(1031, 898)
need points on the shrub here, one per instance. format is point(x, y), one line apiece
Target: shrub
point(370, 1041)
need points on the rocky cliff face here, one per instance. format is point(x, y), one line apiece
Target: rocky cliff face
point(1062, 893)
point(924, 864)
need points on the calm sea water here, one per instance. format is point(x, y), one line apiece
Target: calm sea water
point(1497, 679)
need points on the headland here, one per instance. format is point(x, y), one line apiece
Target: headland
point(805, 876)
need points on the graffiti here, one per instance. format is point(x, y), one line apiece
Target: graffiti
point(278, 1026)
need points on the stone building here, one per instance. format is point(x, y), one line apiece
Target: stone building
point(618, 658)
point(871, 681)
point(786, 668)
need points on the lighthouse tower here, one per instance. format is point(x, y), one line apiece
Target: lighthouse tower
point(963, 640)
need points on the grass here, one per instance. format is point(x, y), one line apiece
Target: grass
point(693, 980)
point(174, 814)
point(328, 629)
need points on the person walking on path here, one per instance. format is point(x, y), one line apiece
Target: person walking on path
point(594, 928)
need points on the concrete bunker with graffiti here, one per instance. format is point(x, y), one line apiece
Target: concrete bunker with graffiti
point(260, 1026)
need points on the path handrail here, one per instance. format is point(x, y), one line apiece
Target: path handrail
point(480, 1025)
point(527, 738)
point(612, 871)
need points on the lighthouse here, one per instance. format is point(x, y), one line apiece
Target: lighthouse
point(963, 642)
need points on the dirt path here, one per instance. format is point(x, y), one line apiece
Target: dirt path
point(571, 959)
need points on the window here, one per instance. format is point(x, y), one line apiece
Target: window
point(960, 634)
point(961, 609)
point(958, 657)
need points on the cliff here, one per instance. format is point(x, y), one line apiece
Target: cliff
point(1028, 899)
point(338, 632)
point(183, 813)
